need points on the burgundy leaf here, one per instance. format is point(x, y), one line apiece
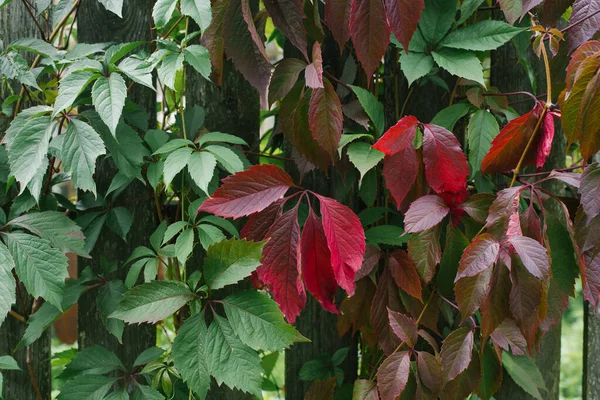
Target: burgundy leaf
point(533, 255)
point(471, 291)
point(365, 389)
point(495, 308)
point(326, 118)
point(509, 338)
point(583, 10)
point(404, 273)
point(284, 78)
point(430, 371)
point(478, 206)
point(528, 5)
point(304, 166)
point(287, 16)
point(259, 223)
point(392, 375)
point(425, 251)
point(467, 382)
point(503, 218)
point(248, 192)
point(424, 213)
point(314, 71)
point(213, 39)
point(590, 191)
point(570, 178)
point(545, 143)
point(398, 137)
point(356, 309)
point(591, 278)
point(280, 269)
point(580, 55)
point(346, 241)
point(481, 254)
point(337, 16)
point(370, 261)
point(525, 299)
point(530, 224)
point(317, 271)
point(456, 352)
point(404, 327)
point(321, 389)
point(446, 166)
point(404, 16)
point(370, 33)
point(386, 297)
point(430, 340)
point(400, 172)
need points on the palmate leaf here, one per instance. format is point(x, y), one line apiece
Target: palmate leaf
point(91, 387)
point(81, 147)
point(197, 56)
point(415, 65)
point(199, 11)
point(481, 36)
point(436, 19)
point(70, 87)
point(230, 261)
point(201, 167)
point(108, 96)
point(325, 117)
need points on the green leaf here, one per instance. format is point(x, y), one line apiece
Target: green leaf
point(449, 116)
point(7, 282)
point(201, 167)
point(14, 66)
point(89, 387)
point(120, 50)
point(230, 361)
point(363, 157)
point(230, 261)
point(109, 296)
point(119, 221)
point(222, 223)
point(38, 323)
point(175, 163)
point(149, 355)
point(372, 106)
point(95, 360)
point(108, 96)
point(169, 67)
point(190, 354)
point(461, 63)
point(184, 245)
point(8, 363)
point(209, 235)
point(114, 6)
point(258, 322)
point(197, 56)
point(415, 65)
point(226, 158)
point(212, 137)
point(163, 11)
point(456, 243)
point(386, 234)
point(41, 268)
point(152, 302)
point(468, 8)
point(482, 129)
point(199, 10)
point(145, 392)
point(137, 71)
point(173, 145)
point(35, 46)
point(120, 394)
point(481, 36)
point(437, 19)
point(70, 87)
point(525, 373)
point(80, 149)
point(173, 230)
point(348, 138)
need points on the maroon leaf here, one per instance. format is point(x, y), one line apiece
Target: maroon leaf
point(425, 251)
point(533, 255)
point(386, 297)
point(259, 223)
point(430, 340)
point(464, 384)
point(314, 71)
point(424, 213)
point(400, 172)
point(280, 269)
point(495, 308)
point(284, 78)
point(430, 371)
point(370, 261)
point(478, 206)
point(398, 137)
point(287, 16)
point(346, 241)
point(471, 291)
point(503, 218)
point(583, 10)
point(590, 191)
point(365, 389)
point(456, 352)
point(392, 376)
point(248, 192)
point(481, 254)
point(530, 224)
point(446, 166)
point(404, 16)
point(404, 273)
point(509, 337)
point(337, 15)
point(545, 143)
point(317, 271)
point(370, 33)
point(355, 309)
point(213, 39)
point(591, 278)
point(321, 389)
point(569, 178)
point(525, 298)
point(326, 118)
point(404, 327)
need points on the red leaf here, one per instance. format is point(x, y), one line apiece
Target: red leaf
point(370, 33)
point(471, 291)
point(370, 261)
point(314, 71)
point(259, 223)
point(386, 297)
point(478, 206)
point(533, 255)
point(326, 118)
point(248, 192)
point(424, 213)
point(355, 309)
point(495, 308)
point(404, 273)
point(287, 16)
point(456, 352)
point(530, 224)
point(525, 299)
point(545, 144)
point(365, 389)
point(404, 16)
point(213, 39)
point(425, 251)
point(583, 10)
point(280, 269)
point(400, 172)
point(404, 327)
point(346, 241)
point(245, 47)
point(317, 272)
point(392, 376)
point(509, 337)
point(337, 16)
point(398, 137)
point(481, 254)
point(590, 191)
point(503, 218)
point(577, 58)
point(430, 371)
point(446, 166)
point(591, 278)
point(284, 78)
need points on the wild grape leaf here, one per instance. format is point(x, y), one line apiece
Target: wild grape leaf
point(456, 352)
point(399, 137)
point(477, 206)
point(386, 298)
point(317, 271)
point(482, 129)
point(287, 16)
point(533, 255)
point(258, 224)
point(471, 291)
point(199, 11)
point(456, 243)
point(365, 389)
point(284, 78)
point(7, 282)
point(430, 371)
point(95, 360)
point(201, 166)
point(198, 57)
point(163, 11)
point(213, 39)
point(436, 19)
point(80, 148)
point(404, 327)
point(313, 75)
point(363, 156)
point(586, 12)
point(345, 239)
point(370, 32)
point(491, 372)
point(481, 36)
point(370, 261)
point(503, 218)
point(461, 63)
point(230, 261)
point(400, 172)
point(280, 268)
point(108, 97)
point(114, 6)
point(404, 273)
point(190, 354)
point(590, 191)
point(337, 17)
point(425, 213)
point(392, 375)
point(465, 383)
point(372, 107)
point(495, 308)
point(513, 9)
point(248, 191)
point(93, 387)
point(446, 166)
point(404, 16)
point(425, 251)
point(169, 66)
point(415, 65)
point(325, 117)
point(109, 296)
point(591, 278)
point(525, 373)
point(481, 255)
point(70, 87)
point(526, 296)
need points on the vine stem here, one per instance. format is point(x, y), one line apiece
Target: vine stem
point(37, 23)
point(17, 316)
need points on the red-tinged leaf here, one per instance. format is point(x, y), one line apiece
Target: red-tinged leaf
point(588, 121)
point(355, 309)
point(446, 166)
point(213, 39)
point(528, 5)
point(425, 213)
point(471, 291)
point(325, 118)
point(430, 316)
point(464, 384)
point(456, 353)
point(404, 273)
point(314, 71)
point(570, 178)
point(525, 299)
point(365, 389)
point(284, 78)
point(545, 144)
point(425, 251)
point(370, 33)
point(530, 224)
point(259, 223)
point(404, 16)
point(248, 192)
point(430, 340)
point(386, 297)
point(481, 255)
point(503, 218)
point(430, 371)
point(590, 191)
point(321, 389)
point(533, 255)
point(478, 206)
point(586, 14)
point(280, 269)
point(317, 271)
point(508, 336)
point(591, 278)
point(346, 241)
point(287, 16)
point(577, 58)
point(370, 261)
point(245, 47)
point(495, 308)
point(337, 16)
point(398, 137)
point(392, 375)
point(400, 172)
point(512, 9)
point(404, 327)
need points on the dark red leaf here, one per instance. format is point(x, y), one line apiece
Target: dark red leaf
point(337, 16)
point(430, 340)
point(365, 389)
point(404, 327)
point(525, 299)
point(314, 71)
point(425, 251)
point(446, 166)
point(456, 352)
point(284, 78)
point(424, 213)
point(355, 309)
point(464, 384)
point(214, 41)
point(591, 278)
point(495, 308)
point(386, 297)
point(478, 206)
point(530, 224)
point(287, 16)
point(321, 389)
point(259, 223)
point(404, 16)
point(392, 376)
point(404, 273)
point(400, 172)
point(509, 337)
point(398, 137)
point(346, 241)
point(248, 192)
point(503, 218)
point(533, 255)
point(481, 254)
point(545, 143)
point(471, 291)
point(370, 261)
point(370, 33)
point(325, 118)
point(317, 271)
point(430, 371)
point(583, 10)
point(590, 191)
point(280, 269)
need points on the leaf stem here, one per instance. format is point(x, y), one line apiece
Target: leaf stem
point(529, 143)
point(17, 316)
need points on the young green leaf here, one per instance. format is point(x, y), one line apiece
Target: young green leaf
point(372, 106)
point(81, 147)
point(95, 360)
point(482, 129)
point(415, 65)
point(525, 373)
point(162, 11)
point(197, 56)
point(461, 63)
point(201, 167)
point(175, 163)
point(230, 261)
point(481, 36)
point(7, 282)
point(364, 157)
point(108, 96)
point(199, 11)
point(70, 87)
